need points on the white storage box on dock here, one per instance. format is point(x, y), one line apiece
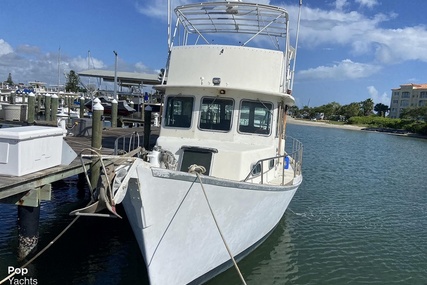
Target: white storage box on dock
point(24, 150)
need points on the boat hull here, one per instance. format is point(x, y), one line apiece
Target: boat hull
point(175, 228)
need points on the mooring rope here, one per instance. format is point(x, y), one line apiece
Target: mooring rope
point(42, 251)
point(197, 169)
point(63, 231)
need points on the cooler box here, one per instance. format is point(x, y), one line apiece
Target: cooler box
point(24, 150)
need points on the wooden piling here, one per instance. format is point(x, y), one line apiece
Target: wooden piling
point(28, 230)
point(54, 106)
point(31, 108)
point(47, 104)
point(98, 111)
point(82, 107)
point(114, 110)
point(39, 105)
point(147, 126)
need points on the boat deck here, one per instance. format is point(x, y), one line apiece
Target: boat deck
point(13, 185)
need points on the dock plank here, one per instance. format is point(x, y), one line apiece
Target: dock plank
point(13, 185)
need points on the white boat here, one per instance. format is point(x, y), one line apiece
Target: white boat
point(219, 179)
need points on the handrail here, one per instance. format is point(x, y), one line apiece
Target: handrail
point(295, 150)
point(126, 145)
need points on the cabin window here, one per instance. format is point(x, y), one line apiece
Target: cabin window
point(178, 111)
point(216, 114)
point(255, 117)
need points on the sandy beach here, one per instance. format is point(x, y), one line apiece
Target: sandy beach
point(322, 124)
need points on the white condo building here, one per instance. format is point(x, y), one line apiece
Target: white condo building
point(407, 95)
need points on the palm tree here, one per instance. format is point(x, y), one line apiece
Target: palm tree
point(381, 109)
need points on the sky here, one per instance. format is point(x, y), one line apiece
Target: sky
point(348, 50)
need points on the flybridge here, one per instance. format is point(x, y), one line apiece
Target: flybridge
point(232, 17)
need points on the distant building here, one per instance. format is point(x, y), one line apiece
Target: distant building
point(407, 95)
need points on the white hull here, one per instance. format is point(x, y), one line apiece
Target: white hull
point(224, 113)
point(175, 229)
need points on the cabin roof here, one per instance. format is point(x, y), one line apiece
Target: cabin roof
point(122, 77)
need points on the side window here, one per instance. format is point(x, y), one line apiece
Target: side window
point(255, 117)
point(216, 114)
point(178, 111)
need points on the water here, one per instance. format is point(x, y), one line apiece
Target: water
point(360, 217)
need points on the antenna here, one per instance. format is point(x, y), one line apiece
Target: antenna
point(296, 44)
point(169, 24)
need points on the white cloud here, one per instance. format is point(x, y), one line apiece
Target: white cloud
point(141, 67)
point(343, 70)
point(362, 34)
point(5, 48)
point(367, 3)
point(28, 63)
point(340, 4)
point(80, 63)
point(397, 45)
point(377, 98)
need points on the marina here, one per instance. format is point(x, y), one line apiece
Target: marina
point(206, 194)
point(367, 228)
point(222, 171)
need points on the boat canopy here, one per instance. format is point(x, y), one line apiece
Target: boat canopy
point(233, 17)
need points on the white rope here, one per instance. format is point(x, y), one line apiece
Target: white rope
point(41, 251)
point(197, 169)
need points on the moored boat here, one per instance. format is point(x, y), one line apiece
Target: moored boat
point(123, 108)
point(219, 179)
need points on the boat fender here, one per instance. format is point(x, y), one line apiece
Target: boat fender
point(119, 190)
point(286, 159)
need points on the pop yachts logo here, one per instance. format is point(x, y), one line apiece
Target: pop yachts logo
point(18, 276)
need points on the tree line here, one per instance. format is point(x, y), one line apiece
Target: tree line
point(412, 119)
point(337, 112)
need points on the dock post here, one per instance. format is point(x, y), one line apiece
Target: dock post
point(82, 107)
point(39, 105)
point(98, 111)
point(114, 109)
point(28, 230)
point(70, 105)
point(147, 126)
point(12, 98)
point(54, 107)
point(47, 103)
point(31, 108)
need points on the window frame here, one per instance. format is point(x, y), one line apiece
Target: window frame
point(253, 129)
point(167, 115)
point(230, 124)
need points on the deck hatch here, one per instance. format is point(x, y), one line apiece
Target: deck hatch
point(197, 155)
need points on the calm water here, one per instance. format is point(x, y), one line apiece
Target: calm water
point(360, 217)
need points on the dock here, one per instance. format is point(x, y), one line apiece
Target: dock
point(11, 186)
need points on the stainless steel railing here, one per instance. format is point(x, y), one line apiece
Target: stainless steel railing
point(126, 143)
point(292, 159)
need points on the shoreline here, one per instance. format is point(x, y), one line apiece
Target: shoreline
point(324, 124)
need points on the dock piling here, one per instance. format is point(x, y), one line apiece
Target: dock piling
point(147, 126)
point(96, 143)
point(82, 107)
point(114, 109)
point(31, 108)
point(28, 230)
point(54, 106)
point(47, 103)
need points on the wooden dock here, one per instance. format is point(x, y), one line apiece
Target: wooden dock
point(14, 185)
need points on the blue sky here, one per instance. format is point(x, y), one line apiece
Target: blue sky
point(348, 51)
